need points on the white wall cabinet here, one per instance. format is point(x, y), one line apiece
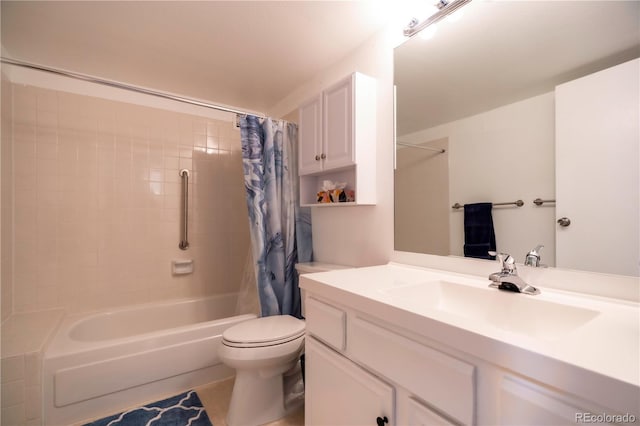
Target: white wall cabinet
point(337, 137)
point(310, 136)
point(338, 121)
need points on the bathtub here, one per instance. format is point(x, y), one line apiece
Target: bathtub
point(101, 363)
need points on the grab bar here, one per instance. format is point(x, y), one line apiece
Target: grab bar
point(184, 242)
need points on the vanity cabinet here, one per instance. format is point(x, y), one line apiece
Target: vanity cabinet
point(337, 137)
point(419, 414)
point(339, 392)
point(359, 373)
point(362, 366)
point(524, 403)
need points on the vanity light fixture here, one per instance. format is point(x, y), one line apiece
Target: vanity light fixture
point(445, 7)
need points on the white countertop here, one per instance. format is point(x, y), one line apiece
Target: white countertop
point(606, 346)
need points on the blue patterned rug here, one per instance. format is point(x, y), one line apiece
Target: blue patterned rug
point(180, 410)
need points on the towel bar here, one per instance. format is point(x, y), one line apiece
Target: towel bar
point(518, 203)
point(540, 201)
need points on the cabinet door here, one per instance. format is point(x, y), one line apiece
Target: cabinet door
point(445, 382)
point(421, 415)
point(338, 392)
point(310, 137)
point(597, 180)
point(525, 403)
point(338, 125)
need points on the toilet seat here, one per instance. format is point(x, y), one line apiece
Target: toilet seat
point(265, 331)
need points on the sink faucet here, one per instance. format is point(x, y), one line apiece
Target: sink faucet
point(533, 257)
point(507, 278)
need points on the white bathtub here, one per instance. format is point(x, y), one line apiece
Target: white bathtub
point(100, 363)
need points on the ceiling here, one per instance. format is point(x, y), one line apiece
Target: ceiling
point(501, 52)
point(246, 54)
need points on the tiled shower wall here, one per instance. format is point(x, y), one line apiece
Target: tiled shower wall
point(6, 213)
point(97, 202)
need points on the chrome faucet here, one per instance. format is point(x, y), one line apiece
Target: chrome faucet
point(533, 257)
point(507, 278)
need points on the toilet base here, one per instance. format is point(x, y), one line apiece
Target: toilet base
point(257, 400)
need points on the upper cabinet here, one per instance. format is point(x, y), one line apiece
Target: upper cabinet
point(337, 134)
point(310, 136)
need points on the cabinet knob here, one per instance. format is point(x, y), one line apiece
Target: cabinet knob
point(323, 156)
point(317, 158)
point(564, 221)
point(380, 421)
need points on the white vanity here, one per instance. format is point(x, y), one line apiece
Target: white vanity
point(407, 345)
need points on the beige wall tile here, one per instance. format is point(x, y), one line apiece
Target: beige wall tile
point(7, 152)
point(47, 100)
point(99, 204)
point(14, 415)
point(12, 393)
point(33, 403)
point(32, 369)
point(12, 368)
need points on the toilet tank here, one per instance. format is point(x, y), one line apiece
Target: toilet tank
point(311, 267)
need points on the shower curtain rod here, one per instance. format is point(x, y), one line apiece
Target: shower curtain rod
point(124, 86)
point(428, 148)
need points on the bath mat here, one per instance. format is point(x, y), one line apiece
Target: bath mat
point(180, 410)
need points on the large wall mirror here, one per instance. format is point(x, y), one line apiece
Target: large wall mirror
point(523, 100)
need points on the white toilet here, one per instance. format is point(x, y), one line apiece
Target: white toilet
point(261, 350)
point(265, 353)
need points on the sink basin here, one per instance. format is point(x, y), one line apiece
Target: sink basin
point(514, 312)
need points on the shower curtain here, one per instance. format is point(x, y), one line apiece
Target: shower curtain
point(280, 229)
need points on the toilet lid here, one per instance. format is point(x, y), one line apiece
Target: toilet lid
point(277, 328)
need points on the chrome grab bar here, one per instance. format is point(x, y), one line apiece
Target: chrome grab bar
point(184, 242)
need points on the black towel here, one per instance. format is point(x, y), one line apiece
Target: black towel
point(479, 236)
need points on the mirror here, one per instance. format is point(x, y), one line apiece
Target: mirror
point(480, 94)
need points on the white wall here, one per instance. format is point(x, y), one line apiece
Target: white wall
point(504, 155)
point(358, 235)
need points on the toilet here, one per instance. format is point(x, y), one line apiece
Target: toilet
point(265, 353)
point(261, 350)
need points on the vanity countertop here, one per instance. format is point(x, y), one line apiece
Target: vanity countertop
point(590, 344)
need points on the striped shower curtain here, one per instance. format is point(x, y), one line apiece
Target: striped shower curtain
point(280, 229)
